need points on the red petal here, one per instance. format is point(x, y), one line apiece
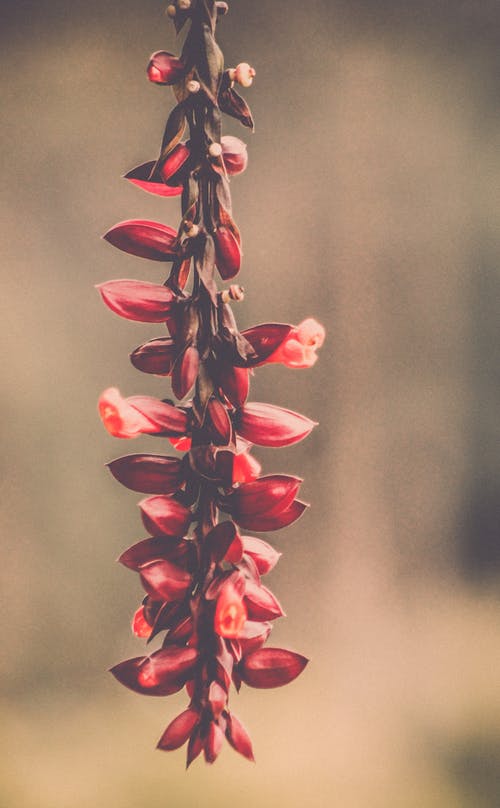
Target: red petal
point(235, 383)
point(268, 495)
point(165, 418)
point(195, 746)
point(220, 421)
point(261, 603)
point(161, 674)
point(271, 667)
point(230, 612)
point(185, 372)
point(227, 253)
point(265, 339)
point(156, 356)
point(267, 425)
point(152, 240)
point(164, 581)
point(165, 516)
point(144, 552)
point(137, 300)
point(140, 177)
point(271, 521)
point(220, 539)
point(147, 474)
point(264, 556)
point(238, 737)
point(178, 731)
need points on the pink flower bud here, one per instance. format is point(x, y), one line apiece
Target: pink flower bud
point(299, 349)
point(164, 68)
point(140, 626)
point(235, 155)
point(230, 612)
point(243, 74)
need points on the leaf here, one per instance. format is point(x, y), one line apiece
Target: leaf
point(234, 105)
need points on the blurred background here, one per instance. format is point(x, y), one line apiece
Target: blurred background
point(369, 203)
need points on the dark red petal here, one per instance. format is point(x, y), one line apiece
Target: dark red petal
point(214, 742)
point(235, 383)
point(271, 667)
point(140, 177)
point(175, 161)
point(179, 633)
point(268, 495)
point(147, 474)
point(171, 421)
point(265, 339)
point(238, 737)
point(195, 746)
point(154, 549)
point(267, 425)
point(264, 556)
point(165, 516)
point(267, 522)
point(164, 581)
point(227, 253)
point(178, 731)
point(152, 240)
point(220, 422)
point(156, 356)
point(261, 603)
point(220, 539)
point(185, 372)
point(165, 68)
point(137, 300)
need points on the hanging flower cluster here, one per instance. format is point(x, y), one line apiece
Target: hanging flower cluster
point(203, 577)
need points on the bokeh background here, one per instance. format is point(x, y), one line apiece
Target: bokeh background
point(369, 203)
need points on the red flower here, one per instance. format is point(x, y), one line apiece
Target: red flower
point(130, 417)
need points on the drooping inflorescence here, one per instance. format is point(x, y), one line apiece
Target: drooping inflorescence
point(202, 577)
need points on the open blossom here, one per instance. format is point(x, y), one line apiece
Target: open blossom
point(200, 572)
point(300, 347)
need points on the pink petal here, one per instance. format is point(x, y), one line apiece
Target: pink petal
point(214, 742)
point(138, 300)
point(145, 239)
point(264, 556)
point(162, 416)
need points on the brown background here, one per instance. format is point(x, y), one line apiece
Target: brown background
point(370, 203)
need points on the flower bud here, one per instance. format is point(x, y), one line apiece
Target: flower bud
point(235, 154)
point(193, 86)
point(184, 5)
point(164, 68)
point(215, 150)
point(191, 230)
point(171, 11)
point(243, 74)
point(230, 613)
